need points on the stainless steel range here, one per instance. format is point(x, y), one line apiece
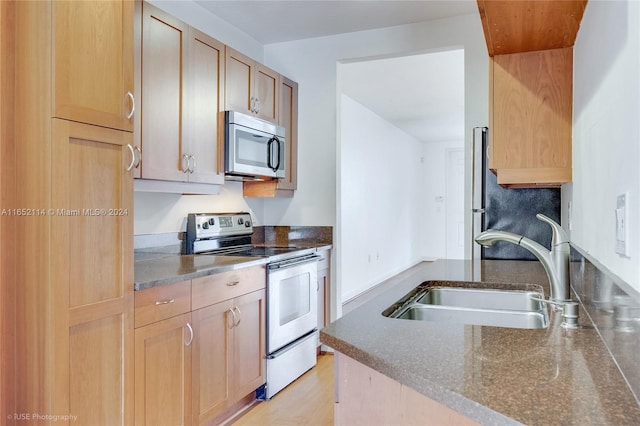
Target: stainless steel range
point(291, 292)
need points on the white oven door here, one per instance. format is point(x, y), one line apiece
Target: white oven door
point(292, 308)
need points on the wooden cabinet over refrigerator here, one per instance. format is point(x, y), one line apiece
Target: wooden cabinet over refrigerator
point(530, 44)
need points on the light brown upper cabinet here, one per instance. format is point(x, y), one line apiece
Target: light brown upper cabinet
point(96, 86)
point(289, 120)
point(182, 84)
point(251, 87)
point(530, 89)
point(530, 117)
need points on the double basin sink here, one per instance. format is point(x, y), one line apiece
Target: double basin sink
point(476, 303)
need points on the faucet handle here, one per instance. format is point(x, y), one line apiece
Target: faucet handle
point(559, 234)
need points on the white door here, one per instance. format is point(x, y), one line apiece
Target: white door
point(455, 204)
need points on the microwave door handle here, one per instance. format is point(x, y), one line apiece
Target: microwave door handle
point(272, 141)
point(269, 153)
point(277, 141)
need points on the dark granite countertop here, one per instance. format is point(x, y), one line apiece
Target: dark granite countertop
point(493, 375)
point(163, 265)
point(158, 269)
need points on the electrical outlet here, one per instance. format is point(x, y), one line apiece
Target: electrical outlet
point(622, 227)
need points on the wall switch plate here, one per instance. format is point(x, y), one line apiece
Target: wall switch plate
point(622, 228)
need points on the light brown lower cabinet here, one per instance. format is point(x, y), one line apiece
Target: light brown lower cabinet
point(163, 372)
point(367, 397)
point(191, 367)
point(228, 353)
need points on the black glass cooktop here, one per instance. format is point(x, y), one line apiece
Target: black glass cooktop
point(262, 251)
point(273, 253)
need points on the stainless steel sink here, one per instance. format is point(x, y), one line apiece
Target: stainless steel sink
point(499, 305)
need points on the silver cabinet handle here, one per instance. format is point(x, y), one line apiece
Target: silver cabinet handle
point(185, 169)
point(191, 335)
point(133, 105)
point(191, 169)
point(239, 316)
point(165, 302)
point(232, 283)
point(253, 104)
point(233, 323)
point(133, 158)
point(257, 111)
point(139, 156)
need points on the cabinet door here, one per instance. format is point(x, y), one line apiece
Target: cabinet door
point(249, 343)
point(93, 62)
point(205, 96)
point(531, 97)
point(267, 83)
point(164, 39)
point(92, 273)
point(163, 372)
point(289, 120)
point(212, 358)
point(239, 82)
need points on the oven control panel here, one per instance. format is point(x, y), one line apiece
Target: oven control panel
point(214, 225)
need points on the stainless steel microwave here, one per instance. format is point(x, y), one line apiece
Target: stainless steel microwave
point(254, 148)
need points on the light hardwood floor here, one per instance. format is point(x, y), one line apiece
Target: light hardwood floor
point(307, 401)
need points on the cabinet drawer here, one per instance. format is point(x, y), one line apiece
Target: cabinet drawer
point(157, 303)
point(227, 285)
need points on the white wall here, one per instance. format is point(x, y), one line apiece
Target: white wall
point(606, 133)
point(380, 198)
point(157, 213)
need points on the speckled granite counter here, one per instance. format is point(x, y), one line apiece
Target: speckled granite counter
point(152, 268)
point(158, 261)
point(490, 374)
point(157, 269)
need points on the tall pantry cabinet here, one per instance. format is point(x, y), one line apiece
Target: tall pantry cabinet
point(73, 341)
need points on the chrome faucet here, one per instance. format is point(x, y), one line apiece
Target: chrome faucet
point(555, 262)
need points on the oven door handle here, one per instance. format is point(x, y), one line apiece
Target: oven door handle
point(293, 262)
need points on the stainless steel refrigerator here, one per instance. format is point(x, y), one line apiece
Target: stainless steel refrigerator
point(507, 209)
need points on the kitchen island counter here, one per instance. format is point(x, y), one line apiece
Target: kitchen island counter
point(492, 375)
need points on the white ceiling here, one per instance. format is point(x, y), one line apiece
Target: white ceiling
point(278, 21)
point(422, 95)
